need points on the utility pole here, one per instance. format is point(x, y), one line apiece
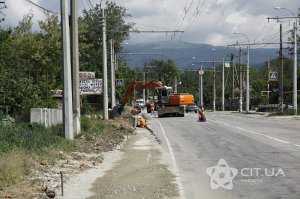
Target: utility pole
point(241, 81)
point(295, 94)
point(233, 85)
point(68, 111)
point(295, 59)
point(281, 58)
point(269, 64)
point(214, 92)
point(104, 69)
point(144, 90)
point(113, 75)
point(201, 73)
point(223, 85)
point(75, 67)
point(175, 85)
point(248, 81)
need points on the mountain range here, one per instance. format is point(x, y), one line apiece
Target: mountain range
point(190, 55)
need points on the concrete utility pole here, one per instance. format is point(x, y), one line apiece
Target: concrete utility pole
point(75, 67)
point(247, 73)
point(68, 111)
point(113, 75)
point(233, 85)
point(175, 85)
point(295, 57)
point(214, 92)
point(269, 64)
point(248, 81)
point(241, 81)
point(282, 75)
point(144, 90)
point(295, 94)
point(223, 85)
point(104, 69)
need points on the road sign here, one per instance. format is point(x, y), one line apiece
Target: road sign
point(273, 76)
point(84, 75)
point(227, 64)
point(119, 82)
point(91, 87)
point(201, 72)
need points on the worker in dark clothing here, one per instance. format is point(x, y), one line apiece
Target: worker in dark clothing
point(201, 114)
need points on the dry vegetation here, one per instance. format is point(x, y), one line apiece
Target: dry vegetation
point(28, 150)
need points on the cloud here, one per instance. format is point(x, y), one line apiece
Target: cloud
point(204, 21)
point(16, 9)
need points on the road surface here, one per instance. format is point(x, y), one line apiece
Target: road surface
point(262, 155)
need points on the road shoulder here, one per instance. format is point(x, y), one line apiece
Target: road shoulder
point(143, 172)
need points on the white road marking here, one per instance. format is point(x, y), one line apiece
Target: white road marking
point(178, 179)
point(255, 133)
point(149, 157)
point(297, 145)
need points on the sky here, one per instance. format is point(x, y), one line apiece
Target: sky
point(203, 21)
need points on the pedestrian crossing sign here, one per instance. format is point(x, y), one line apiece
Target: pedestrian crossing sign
point(273, 76)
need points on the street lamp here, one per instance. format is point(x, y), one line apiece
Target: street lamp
point(214, 86)
point(247, 75)
point(201, 73)
point(295, 94)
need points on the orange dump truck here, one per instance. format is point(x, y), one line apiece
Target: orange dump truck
point(181, 99)
point(167, 103)
point(176, 105)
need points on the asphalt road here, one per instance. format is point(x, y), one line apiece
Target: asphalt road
point(262, 154)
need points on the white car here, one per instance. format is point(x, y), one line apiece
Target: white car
point(140, 103)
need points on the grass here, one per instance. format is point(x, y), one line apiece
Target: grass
point(21, 144)
point(14, 166)
point(24, 146)
point(32, 138)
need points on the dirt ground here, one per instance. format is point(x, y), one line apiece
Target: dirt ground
point(140, 174)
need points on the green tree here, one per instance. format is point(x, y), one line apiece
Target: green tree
point(90, 28)
point(163, 70)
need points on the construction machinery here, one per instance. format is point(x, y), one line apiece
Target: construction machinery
point(167, 102)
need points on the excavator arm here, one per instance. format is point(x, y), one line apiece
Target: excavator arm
point(139, 85)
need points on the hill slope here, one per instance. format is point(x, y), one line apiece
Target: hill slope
point(183, 53)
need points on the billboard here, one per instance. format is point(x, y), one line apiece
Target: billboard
point(84, 75)
point(91, 87)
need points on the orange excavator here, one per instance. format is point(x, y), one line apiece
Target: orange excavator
point(167, 103)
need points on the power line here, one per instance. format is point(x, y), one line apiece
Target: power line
point(42, 8)
point(90, 4)
point(156, 31)
point(2, 3)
